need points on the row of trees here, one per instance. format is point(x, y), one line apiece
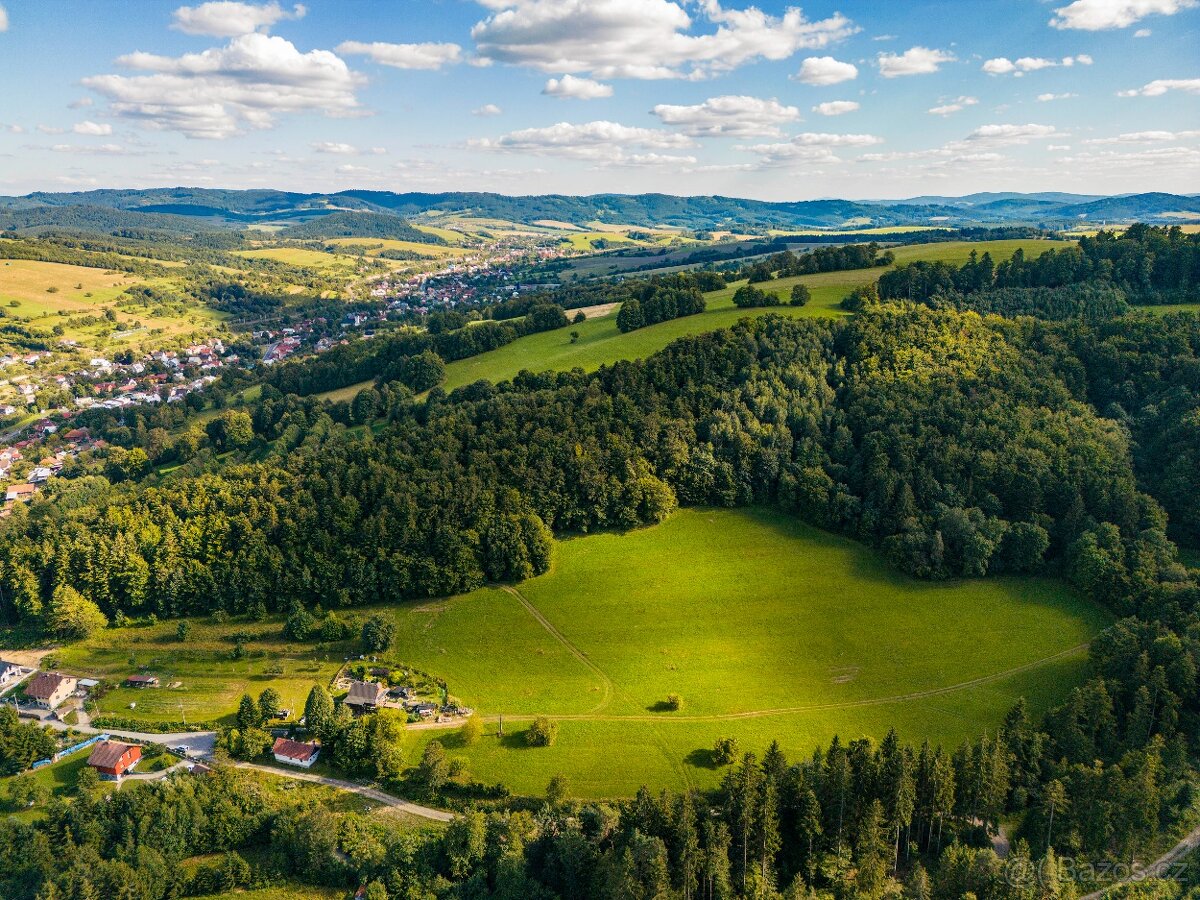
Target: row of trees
point(787, 264)
point(660, 299)
point(1147, 263)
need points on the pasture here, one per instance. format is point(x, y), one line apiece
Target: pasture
point(600, 343)
point(201, 679)
point(308, 259)
point(773, 630)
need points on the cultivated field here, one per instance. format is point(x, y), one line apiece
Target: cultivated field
point(772, 630)
point(600, 342)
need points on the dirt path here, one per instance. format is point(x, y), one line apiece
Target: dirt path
point(571, 648)
point(425, 812)
point(1159, 868)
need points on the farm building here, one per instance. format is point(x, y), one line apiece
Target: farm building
point(113, 759)
point(365, 695)
point(9, 672)
point(295, 753)
point(49, 689)
point(141, 681)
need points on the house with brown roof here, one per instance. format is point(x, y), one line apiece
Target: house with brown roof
point(49, 689)
point(295, 753)
point(113, 759)
point(142, 681)
point(20, 492)
point(365, 695)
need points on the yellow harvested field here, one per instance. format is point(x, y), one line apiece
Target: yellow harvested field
point(29, 282)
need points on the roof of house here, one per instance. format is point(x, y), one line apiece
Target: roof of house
point(364, 692)
point(5, 665)
point(20, 489)
point(294, 749)
point(108, 753)
point(143, 679)
point(44, 684)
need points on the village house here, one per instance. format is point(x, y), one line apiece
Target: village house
point(48, 690)
point(295, 753)
point(365, 695)
point(113, 759)
point(16, 492)
point(9, 672)
point(141, 681)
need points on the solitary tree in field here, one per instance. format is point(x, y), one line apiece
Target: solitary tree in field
point(556, 790)
point(542, 732)
point(378, 633)
point(800, 295)
point(183, 630)
point(472, 730)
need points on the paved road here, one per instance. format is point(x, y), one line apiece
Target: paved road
point(201, 742)
point(385, 799)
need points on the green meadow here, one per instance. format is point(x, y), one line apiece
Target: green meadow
point(772, 630)
point(599, 342)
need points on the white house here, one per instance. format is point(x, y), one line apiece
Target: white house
point(295, 753)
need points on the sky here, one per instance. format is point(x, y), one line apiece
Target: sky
point(772, 101)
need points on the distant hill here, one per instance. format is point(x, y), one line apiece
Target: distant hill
point(229, 208)
point(359, 225)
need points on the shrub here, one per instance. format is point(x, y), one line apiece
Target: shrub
point(725, 751)
point(674, 702)
point(542, 733)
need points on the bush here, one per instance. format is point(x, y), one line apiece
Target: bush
point(725, 751)
point(748, 296)
point(472, 730)
point(542, 733)
point(674, 702)
point(800, 295)
point(378, 633)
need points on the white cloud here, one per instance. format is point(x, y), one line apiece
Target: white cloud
point(334, 147)
point(81, 103)
point(824, 70)
point(1058, 147)
point(404, 56)
point(732, 116)
point(1097, 15)
point(1002, 65)
point(3, 19)
point(1046, 98)
point(949, 108)
point(220, 91)
point(488, 109)
point(1160, 86)
point(92, 128)
point(1146, 137)
point(1142, 33)
point(599, 141)
point(644, 38)
point(93, 150)
point(814, 147)
point(227, 19)
point(835, 107)
point(1011, 134)
point(50, 129)
point(569, 87)
point(914, 61)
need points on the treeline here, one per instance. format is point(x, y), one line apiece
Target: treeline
point(860, 821)
point(599, 292)
point(787, 264)
point(660, 299)
point(1091, 301)
point(385, 356)
point(1149, 264)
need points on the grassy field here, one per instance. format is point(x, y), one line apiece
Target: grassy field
point(298, 256)
point(600, 342)
point(291, 891)
point(1165, 308)
point(210, 681)
point(772, 630)
point(28, 282)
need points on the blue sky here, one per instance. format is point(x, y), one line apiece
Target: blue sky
point(774, 101)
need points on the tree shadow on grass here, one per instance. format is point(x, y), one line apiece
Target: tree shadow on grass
point(702, 758)
point(515, 740)
point(661, 706)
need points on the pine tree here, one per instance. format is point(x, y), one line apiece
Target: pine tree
point(318, 711)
